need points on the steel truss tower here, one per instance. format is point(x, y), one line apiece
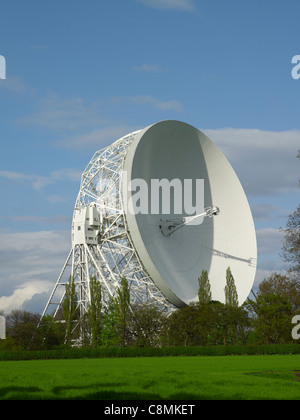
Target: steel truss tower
point(101, 242)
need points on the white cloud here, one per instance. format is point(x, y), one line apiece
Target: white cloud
point(13, 84)
point(68, 174)
point(263, 212)
point(64, 114)
point(96, 139)
point(265, 161)
point(38, 182)
point(183, 5)
point(269, 241)
point(55, 198)
point(33, 243)
point(30, 263)
point(24, 293)
point(41, 219)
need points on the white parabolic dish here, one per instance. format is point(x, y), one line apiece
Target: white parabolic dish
point(175, 150)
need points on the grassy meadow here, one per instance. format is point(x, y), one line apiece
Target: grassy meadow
point(155, 378)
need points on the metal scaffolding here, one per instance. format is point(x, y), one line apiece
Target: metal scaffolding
point(103, 248)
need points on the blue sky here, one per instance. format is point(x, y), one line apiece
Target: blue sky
point(80, 74)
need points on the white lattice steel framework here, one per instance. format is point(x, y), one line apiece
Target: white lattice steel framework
point(109, 254)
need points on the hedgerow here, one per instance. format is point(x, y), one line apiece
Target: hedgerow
point(106, 352)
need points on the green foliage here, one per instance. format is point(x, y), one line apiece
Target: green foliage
point(209, 324)
point(119, 352)
point(204, 292)
point(231, 295)
point(116, 318)
point(147, 323)
point(110, 336)
point(95, 312)
point(49, 334)
point(69, 306)
point(284, 286)
point(183, 327)
point(122, 303)
point(21, 329)
point(273, 322)
point(291, 244)
point(266, 320)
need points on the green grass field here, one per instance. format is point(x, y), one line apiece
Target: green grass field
point(158, 378)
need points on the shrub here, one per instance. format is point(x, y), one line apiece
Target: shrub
point(104, 352)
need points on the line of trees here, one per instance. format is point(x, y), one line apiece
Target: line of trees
point(263, 320)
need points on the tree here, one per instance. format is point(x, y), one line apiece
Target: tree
point(291, 244)
point(284, 286)
point(21, 327)
point(231, 295)
point(205, 322)
point(110, 336)
point(204, 292)
point(95, 311)
point(238, 328)
point(116, 319)
point(218, 334)
point(69, 306)
point(123, 307)
point(273, 323)
point(146, 325)
point(50, 333)
point(183, 327)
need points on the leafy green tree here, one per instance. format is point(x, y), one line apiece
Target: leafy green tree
point(21, 327)
point(229, 325)
point(238, 325)
point(204, 292)
point(110, 336)
point(123, 308)
point(147, 326)
point(291, 244)
point(69, 306)
point(50, 333)
point(183, 327)
point(273, 323)
point(231, 295)
point(284, 286)
point(243, 324)
point(205, 322)
point(95, 311)
point(218, 333)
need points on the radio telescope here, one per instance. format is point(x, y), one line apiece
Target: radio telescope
point(121, 228)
